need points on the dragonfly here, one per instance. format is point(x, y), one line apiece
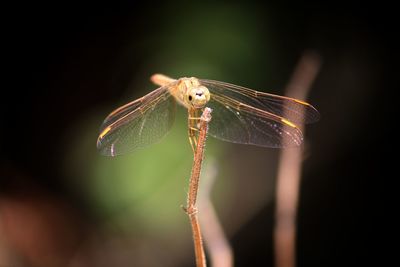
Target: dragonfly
point(240, 115)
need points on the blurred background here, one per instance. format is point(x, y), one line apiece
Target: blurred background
point(62, 204)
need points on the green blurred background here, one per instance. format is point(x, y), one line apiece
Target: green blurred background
point(62, 204)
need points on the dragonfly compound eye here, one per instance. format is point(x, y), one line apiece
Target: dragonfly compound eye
point(198, 97)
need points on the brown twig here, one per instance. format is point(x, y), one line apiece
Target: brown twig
point(217, 245)
point(191, 209)
point(289, 170)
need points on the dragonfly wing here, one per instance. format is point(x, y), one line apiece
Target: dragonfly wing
point(137, 124)
point(243, 124)
point(294, 110)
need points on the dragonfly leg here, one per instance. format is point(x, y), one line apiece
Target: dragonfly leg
point(193, 143)
point(193, 119)
point(193, 136)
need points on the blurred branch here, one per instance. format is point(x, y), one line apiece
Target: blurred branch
point(191, 209)
point(216, 242)
point(289, 170)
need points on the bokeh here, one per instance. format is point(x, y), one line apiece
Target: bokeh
point(63, 204)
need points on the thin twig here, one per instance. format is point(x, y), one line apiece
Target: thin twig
point(217, 245)
point(289, 170)
point(191, 209)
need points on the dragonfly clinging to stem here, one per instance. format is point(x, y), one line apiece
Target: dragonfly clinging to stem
point(240, 115)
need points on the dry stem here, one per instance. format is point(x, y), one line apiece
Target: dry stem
point(191, 209)
point(289, 170)
point(217, 245)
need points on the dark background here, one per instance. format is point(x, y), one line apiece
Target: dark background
point(67, 60)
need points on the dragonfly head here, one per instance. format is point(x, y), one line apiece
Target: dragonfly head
point(198, 96)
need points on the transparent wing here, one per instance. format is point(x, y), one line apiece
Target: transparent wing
point(240, 123)
point(286, 107)
point(138, 123)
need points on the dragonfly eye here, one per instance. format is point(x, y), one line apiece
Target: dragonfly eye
point(198, 97)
